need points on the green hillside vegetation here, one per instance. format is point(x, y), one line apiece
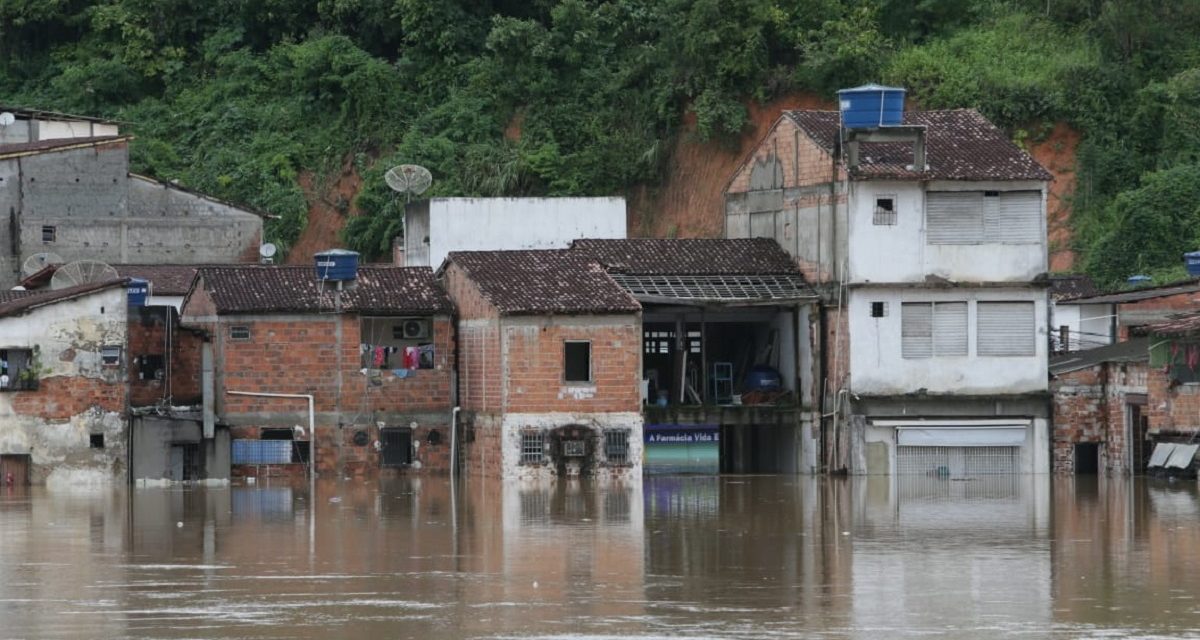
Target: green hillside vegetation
point(238, 97)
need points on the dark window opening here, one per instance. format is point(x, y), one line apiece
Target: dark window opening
point(396, 446)
point(991, 194)
point(616, 446)
point(885, 211)
point(577, 361)
point(277, 434)
point(18, 371)
point(532, 447)
point(239, 332)
point(96, 440)
point(878, 309)
point(49, 234)
point(1087, 458)
point(151, 367)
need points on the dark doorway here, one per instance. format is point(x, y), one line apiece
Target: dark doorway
point(397, 446)
point(14, 469)
point(185, 462)
point(1139, 433)
point(1087, 458)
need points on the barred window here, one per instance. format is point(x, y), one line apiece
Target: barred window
point(239, 333)
point(532, 447)
point(885, 211)
point(616, 446)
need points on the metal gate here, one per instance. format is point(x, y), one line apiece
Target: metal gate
point(15, 469)
point(397, 446)
point(957, 462)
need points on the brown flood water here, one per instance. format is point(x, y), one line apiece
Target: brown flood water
point(678, 557)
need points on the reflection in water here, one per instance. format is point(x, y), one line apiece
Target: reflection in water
point(735, 557)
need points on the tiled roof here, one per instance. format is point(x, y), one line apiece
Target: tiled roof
point(1071, 286)
point(960, 144)
point(42, 146)
point(541, 282)
point(694, 257)
point(165, 279)
point(1145, 293)
point(11, 304)
point(272, 289)
point(1132, 350)
point(1181, 325)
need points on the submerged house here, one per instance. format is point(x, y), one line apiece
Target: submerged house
point(64, 385)
point(359, 360)
point(549, 362)
point(925, 231)
point(727, 357)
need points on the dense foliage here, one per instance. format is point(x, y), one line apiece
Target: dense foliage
point(239, 97)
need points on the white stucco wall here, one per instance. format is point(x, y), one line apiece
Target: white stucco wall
point(900, 253)
point(1035, 449)
point(878, 368)
point(514, 423)
point(69, 336)
point(480, 224)
point(1089, 325)
point(58, 129)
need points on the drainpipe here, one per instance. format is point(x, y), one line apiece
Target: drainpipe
point(312, 434)
point(454, 441)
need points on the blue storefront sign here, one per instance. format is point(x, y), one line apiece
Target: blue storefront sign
point(682, 448)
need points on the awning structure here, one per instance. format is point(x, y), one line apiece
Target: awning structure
point(716, 288)
point(1172, 455)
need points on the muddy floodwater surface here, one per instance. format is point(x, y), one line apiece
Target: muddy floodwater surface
point(678, 557)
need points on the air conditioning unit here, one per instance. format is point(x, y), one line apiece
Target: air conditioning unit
point(412, 329)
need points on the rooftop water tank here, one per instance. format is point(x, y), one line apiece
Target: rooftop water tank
point(337, 264)
point(139, 292)
point(1192, 262)
point(871, 105)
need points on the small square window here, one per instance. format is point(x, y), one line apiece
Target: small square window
point(49, 234)
point(96, 440)
point(110, 356)
point(616, 446)
point(239, 332)
point(885, 211)
point(532, 447)
point(577, 361)
point(878, 309)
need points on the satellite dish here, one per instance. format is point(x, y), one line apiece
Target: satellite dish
point(39, 261)
point(409, 179)
point(80, 272)
point(6, 119)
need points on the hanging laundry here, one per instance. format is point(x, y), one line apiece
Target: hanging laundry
point(380, 357)
point(412, 358)
point(426, 358)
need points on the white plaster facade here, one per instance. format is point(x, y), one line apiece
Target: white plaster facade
point(69, 337)
point(514, 424)
point(1087, 325)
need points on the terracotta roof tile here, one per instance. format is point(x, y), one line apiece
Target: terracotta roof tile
point(544, 282)
point(693, 257)
point(15, 304)
point(279, 289)
point(960, 144)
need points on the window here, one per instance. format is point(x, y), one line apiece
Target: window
point(96, 440)
point(616, 446)
point(929, 329)
point(663, 342)
point(18, 370)
point(532, 447)
point(240, 333)
point(397, 343)
point(878, 309)
point(1005, 329)
point(49, 234)
point(577, 361)
point(151, 367)
point(110, 356)
point(885, 211)
point(975, 217)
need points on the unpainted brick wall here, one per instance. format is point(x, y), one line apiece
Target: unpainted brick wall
point(534, 366)
point(147, 332)
point(803, 163)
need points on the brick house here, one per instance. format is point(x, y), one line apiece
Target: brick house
point(376, 355)
point(927, 241)
point(549, 361)
point(64, 385)
point(1105, 318)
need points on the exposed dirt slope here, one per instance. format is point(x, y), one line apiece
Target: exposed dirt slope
point(1057, 154)
point(328, 211)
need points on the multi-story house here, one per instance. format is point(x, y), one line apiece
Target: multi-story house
point(926, 233)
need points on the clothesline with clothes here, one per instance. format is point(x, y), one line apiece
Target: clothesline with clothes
point(413, 357)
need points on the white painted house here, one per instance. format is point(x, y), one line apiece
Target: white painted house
point(433, 228)
point(928, 241)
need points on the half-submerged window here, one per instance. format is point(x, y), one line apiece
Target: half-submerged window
point(532, 447)
point(616, 446)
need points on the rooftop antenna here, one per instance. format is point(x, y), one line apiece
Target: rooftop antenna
point(409, 179)
point(39, 261)
point(82, 272)
point(266, 253)
point(7, 118)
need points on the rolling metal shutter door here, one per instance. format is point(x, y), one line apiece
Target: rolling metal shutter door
point(916, 330)
point(1014, 217)
point(954, 217)
point(1005, 329)
point(950, 329)
point(957, 462)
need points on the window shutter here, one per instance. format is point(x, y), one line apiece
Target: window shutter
point(1014, 217)
point(916, 330)
point(950, 328)
point(1006, 329)
point(954, 217)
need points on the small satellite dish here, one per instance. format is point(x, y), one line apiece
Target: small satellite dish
point(80, 272)
point(39, 261)
point(409, 179)
point(6, 119)
point(17, 288)
point(267, 250)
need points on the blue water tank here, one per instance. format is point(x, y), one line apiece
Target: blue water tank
point(871, 105)
point(762, 378)
point(337, 264)
point(139, 292)
point(1138, 281)
point(1192, 262)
